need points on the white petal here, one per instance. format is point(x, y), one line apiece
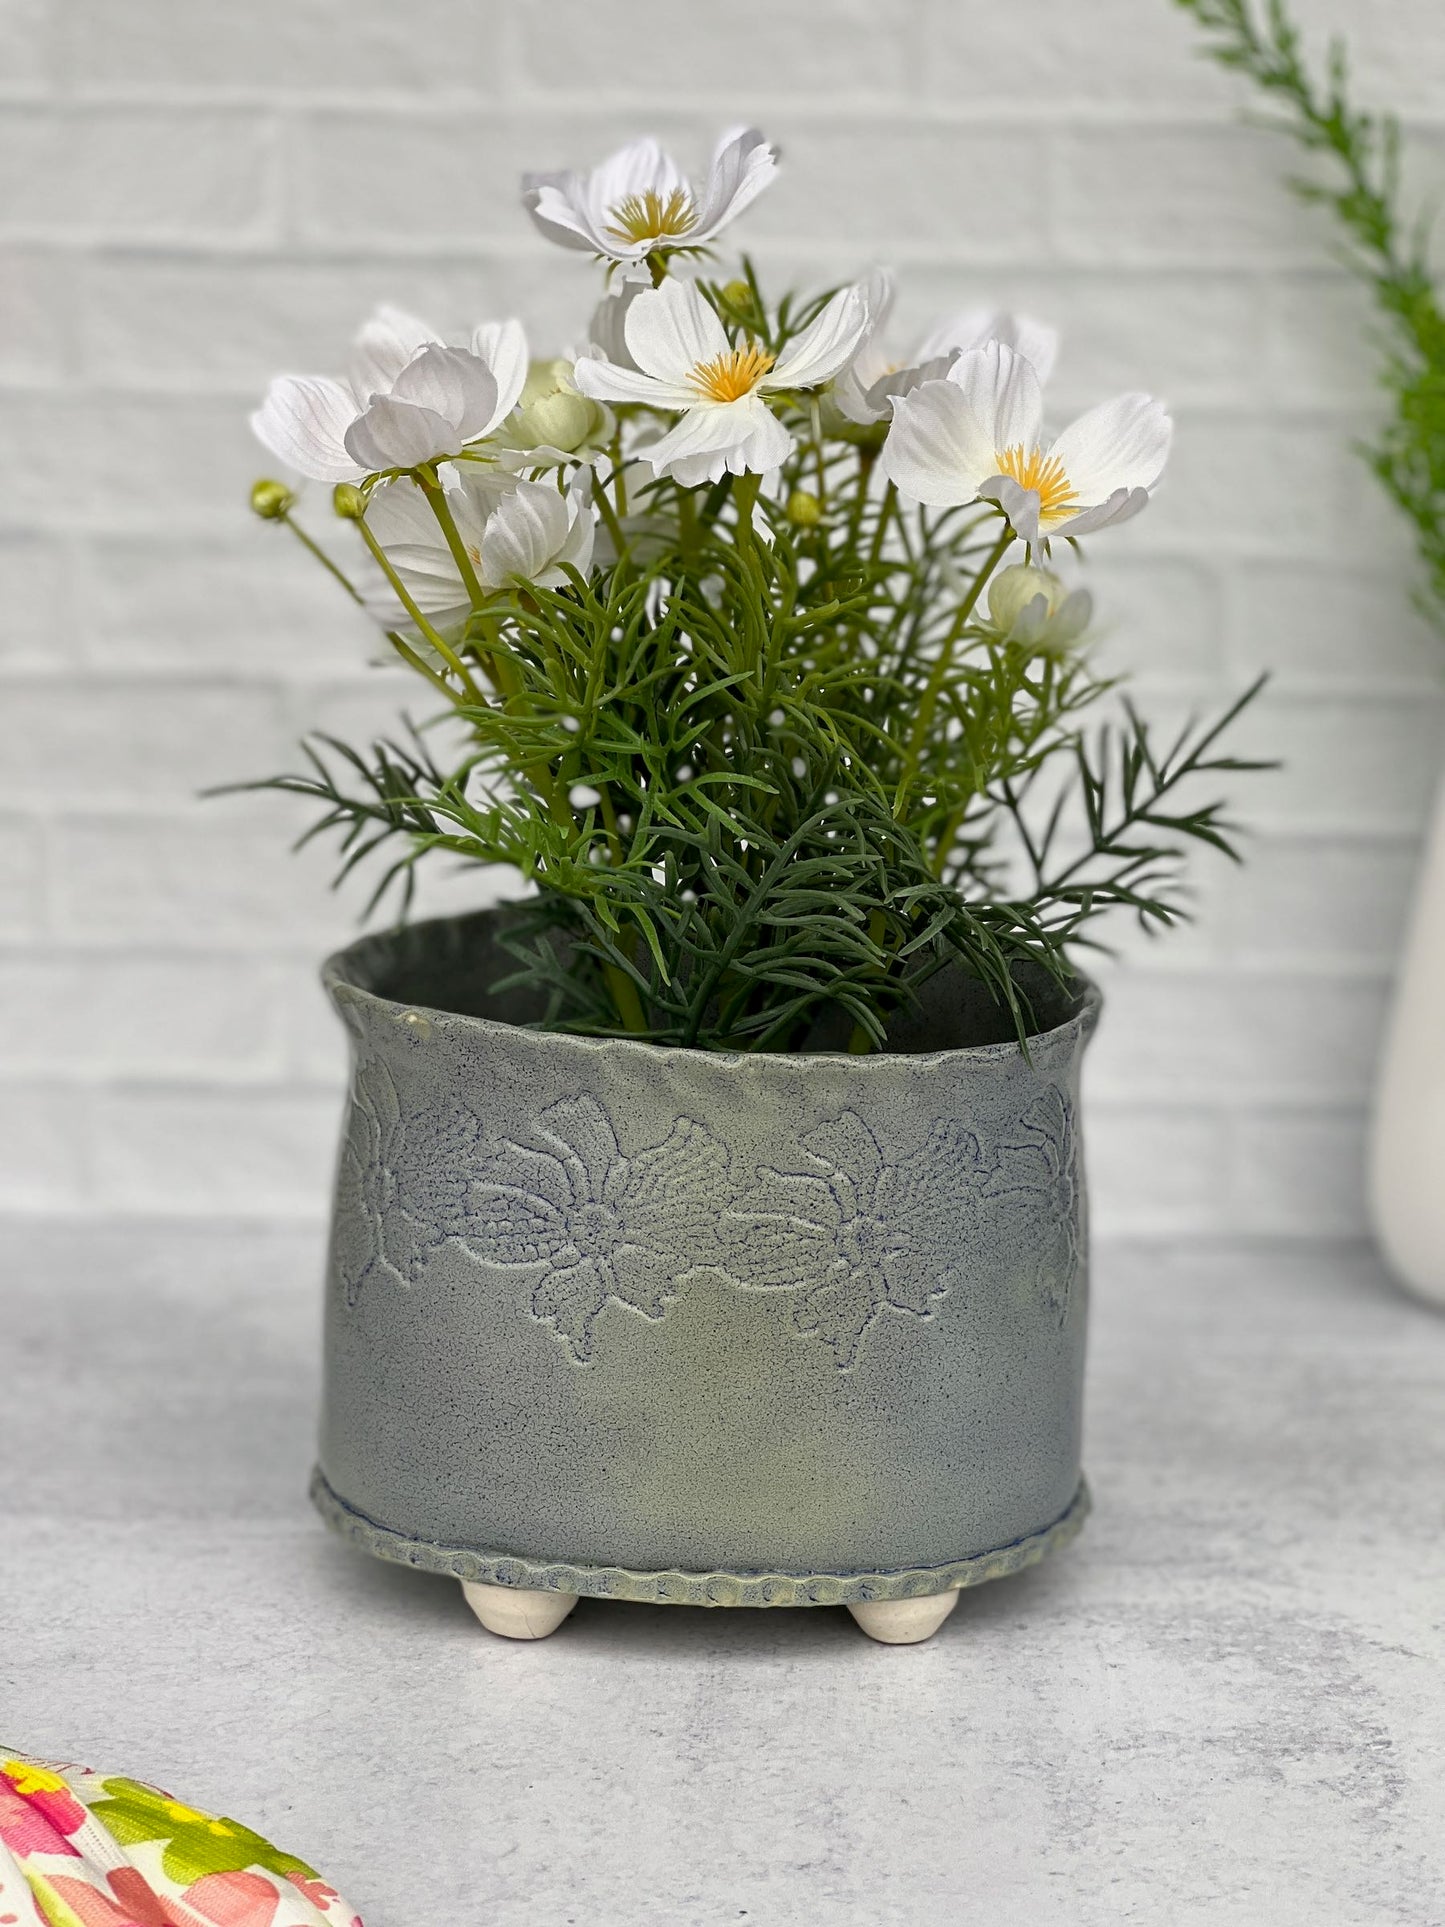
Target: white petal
point(576, 551)
point(601, 381)
point(304, 420)
point(398, 434)
point(554, 202)
point(523, 535)
point(1122, 506)
point(973, 327)
point(938, 450)
point(606, 336)
point(869, 363)
point(885, 391)
point(502, 345)
point(641, 167)
point(386, 343)
point(769, 444)
point(742, 167)
point(727, 437)
point(398, 516)
point(1123, 443)
point(824, 346)
point(475, 494)
point(457, 386)
point(1004, 394)
point(851, 393)
point(1022, 506)
point(1071, 618)
point(671, 329)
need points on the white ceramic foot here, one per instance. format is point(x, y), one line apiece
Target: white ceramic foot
point(516, 1613)
point(904, 1622)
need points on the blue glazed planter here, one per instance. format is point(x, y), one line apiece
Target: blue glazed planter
point(661, 1324)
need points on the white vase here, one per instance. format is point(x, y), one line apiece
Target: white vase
point(1407, 1149)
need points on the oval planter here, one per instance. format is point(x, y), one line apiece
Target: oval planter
point(1407, 1140)
point(606, 1318)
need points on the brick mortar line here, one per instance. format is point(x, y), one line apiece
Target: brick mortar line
point(521, 102)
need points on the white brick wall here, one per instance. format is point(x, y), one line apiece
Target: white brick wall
point(193, 195)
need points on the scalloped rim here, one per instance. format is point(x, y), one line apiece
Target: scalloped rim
point(342, 988)
point(693, 1588)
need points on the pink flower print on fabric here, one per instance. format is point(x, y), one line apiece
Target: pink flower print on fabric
point(38, 1811)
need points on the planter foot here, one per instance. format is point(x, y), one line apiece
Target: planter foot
point(904, 1622)
point(516, 1613)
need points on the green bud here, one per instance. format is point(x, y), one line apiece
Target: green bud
point(1034, 608)
point(804, 509)
point(271, 500)
point(1012, 590)
point(348, 501)
point(738, 294)
point(553, 415)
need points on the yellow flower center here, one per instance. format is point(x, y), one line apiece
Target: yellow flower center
point(732, 375)
point(648, 217)
point(1032, 469)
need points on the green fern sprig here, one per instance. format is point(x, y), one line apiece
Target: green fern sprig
point(1387, 250)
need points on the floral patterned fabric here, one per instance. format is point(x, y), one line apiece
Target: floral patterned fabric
point(82, 1849)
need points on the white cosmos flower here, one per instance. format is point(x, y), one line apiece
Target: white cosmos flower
point(637, 202)
point(684, 361)
point(516, 534)
point(409, 399)
point(865, 391)
point(977, 435)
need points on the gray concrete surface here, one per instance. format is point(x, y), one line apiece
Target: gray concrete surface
point(1226, 1704)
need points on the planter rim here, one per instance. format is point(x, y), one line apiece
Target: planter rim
point(342, 987)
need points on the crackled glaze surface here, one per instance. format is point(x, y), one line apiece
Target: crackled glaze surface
point(606, 1305)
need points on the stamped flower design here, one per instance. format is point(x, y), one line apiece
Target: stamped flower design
point(403, 1181)
point(1039, 1168)
point(608, 1229)
point(855, 1234)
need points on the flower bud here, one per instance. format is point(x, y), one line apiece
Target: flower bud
point(738, 294)
point(804, 509)
point(348, 501)
point(1012, 590)
point(1037, 610)
point(272, 501)
point(552, 414)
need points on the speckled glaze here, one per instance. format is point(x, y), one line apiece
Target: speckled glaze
point(667, 1324)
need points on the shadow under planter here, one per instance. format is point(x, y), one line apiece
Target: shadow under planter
point(636, 1322)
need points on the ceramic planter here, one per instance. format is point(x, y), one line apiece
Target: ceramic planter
point(1407, 1147)
point(610, 1319)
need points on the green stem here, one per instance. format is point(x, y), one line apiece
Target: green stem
point(609, 515)
point(436, 497)
point(619, 473)
point(419, 663)
point(687, 522)
point(323, 558)
point(625, 1000)
point(887, 509)
point(745, 495)
point(927, 708)
point(407, 601)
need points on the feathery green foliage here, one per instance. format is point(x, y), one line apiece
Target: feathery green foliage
point(1388, 252)
point(775, 762)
